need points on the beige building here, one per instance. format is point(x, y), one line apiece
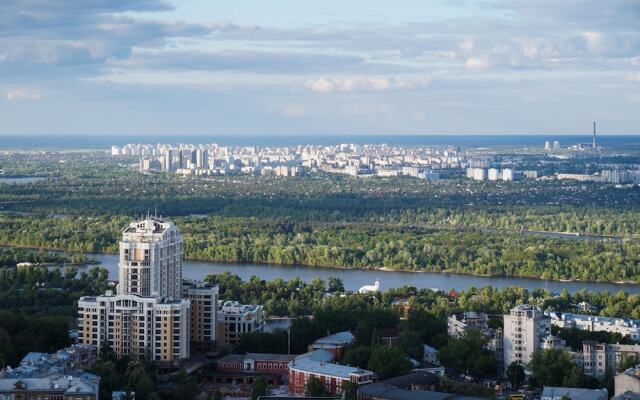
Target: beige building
point(598, 358)
point(627, 381)
point(235, 319)
point(147, 319)
point(203, 316)
point(525, 328)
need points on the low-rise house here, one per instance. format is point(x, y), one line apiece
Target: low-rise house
point(56, 386)
point(562, 393)
point(256, 362)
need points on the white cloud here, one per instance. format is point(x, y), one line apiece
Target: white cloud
point(634, 77)
point(364, 84)
point(478, 62)
point(466, 44)
point(17, 94)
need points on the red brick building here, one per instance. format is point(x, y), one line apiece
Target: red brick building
point(255, 363)
point(318, 364)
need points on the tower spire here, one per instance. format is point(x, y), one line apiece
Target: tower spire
point(594, 135)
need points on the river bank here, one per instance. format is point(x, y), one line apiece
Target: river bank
point(385, 270)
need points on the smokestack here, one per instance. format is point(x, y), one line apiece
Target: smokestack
point(594, 135)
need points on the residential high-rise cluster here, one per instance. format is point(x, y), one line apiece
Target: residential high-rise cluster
point(152, 315)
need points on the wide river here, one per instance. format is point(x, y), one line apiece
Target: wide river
point(354, 279)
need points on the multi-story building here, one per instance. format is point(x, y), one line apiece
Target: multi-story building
point(594, 323)
point(525, 327)
point(140, 327)
point(148, 318)
point(598, 358)
point(318, 364)
point(203, 315)
point(457, 324)
point(151, 259)
point(235, 319)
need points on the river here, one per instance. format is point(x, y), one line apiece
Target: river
point(22, 180)
point(354, 279)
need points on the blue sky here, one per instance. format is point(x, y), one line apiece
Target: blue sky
point(300, 67)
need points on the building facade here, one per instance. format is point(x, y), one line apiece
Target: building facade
point(235, 319)
point(457, 324)
point(151, 259)
point(525, 327)
point(594, 323)
point(203, 315)
point(598, 358)
point(318, 364)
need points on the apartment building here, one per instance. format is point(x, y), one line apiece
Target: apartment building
point(235, 319)
point(598, 358)
point(203, 315)
point(145, 328)
point(151, 259)
point(147, 317)
point(525, 327)
point(627, 381)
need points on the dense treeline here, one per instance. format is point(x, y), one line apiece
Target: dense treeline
point(353, 245)
point(38, 307)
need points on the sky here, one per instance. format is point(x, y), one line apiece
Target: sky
point(334, 67)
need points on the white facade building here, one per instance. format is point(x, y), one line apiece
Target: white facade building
point(525, 328)
point(594, 323)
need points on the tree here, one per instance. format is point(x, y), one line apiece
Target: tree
point(388, 362)
point(335, 285)
point(144, 387)
point(515, 373)
point(357, 356)
point(349, 390)
point(135, 371)
point(314, 387)
point(259, 388)
point(468, 354)
point(549, 367)
point(410, 342)
point(186, 388)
